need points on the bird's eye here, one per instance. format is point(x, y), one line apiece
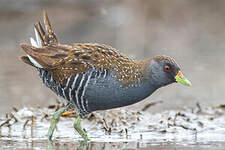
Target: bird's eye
point(167, 68)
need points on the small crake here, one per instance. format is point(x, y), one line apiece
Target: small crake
point(93, 76)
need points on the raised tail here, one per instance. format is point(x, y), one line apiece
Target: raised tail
point(44, 38)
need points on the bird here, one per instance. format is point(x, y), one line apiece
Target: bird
point(92, 76)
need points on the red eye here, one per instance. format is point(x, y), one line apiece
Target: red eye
point(167, 68)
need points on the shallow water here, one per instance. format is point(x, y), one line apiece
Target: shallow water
point(42, 145)
point(198, 128)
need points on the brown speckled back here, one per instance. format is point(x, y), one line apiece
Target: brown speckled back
point(63, 61)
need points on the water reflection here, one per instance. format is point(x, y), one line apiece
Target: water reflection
point(80, 146)
point(112, 146)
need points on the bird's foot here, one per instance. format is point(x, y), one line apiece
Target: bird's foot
point(83, 144)
point(50, 145)
point(77, 126)
point(54, 121)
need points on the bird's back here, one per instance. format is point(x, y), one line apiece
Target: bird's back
point(62, 61)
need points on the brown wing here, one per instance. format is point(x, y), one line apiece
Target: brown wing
point(62, 61)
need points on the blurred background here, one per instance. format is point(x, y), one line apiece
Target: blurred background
point(191, 31)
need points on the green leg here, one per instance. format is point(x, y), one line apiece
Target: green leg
point(83, 144)
point(54, 121)
point(78, 128)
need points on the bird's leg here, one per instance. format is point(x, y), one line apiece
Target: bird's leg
point(78, 128)
point(54, 121)
point(82, 145)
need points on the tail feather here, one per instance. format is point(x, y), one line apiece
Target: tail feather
point(45, 37)
point(33, 42)
point(38, 36)
point(27, 60)
point(46, 57)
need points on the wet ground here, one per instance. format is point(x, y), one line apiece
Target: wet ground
point(189, 128)
point(190, 31)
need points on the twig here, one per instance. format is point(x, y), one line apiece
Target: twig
point(150, 105)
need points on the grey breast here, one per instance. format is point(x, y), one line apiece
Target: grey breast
point(96, 89)
point(106, 92)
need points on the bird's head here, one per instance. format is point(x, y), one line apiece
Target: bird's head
point(164, 70)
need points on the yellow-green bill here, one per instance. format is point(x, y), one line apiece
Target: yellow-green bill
point(182, 79)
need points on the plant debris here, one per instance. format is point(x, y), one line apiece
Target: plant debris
point(124, 124)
